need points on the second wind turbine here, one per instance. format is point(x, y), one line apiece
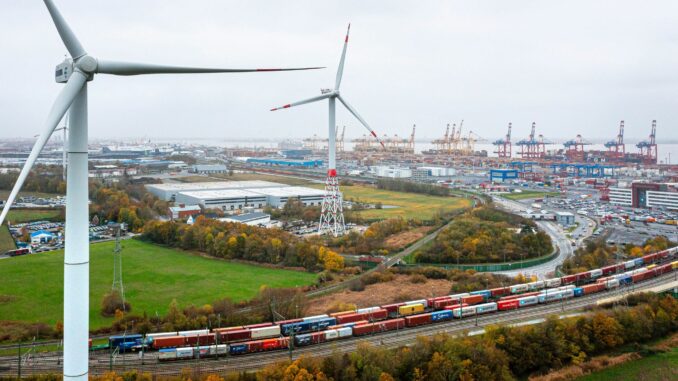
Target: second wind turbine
point(332, 214)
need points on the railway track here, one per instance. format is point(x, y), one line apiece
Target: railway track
point(103, 362)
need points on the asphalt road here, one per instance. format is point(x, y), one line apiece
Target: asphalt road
point(565, 249)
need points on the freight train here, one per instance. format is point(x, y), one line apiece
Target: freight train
point(372, 320)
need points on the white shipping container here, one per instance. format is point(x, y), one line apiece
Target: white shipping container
point(555, 282)
point(331, 334)
point(420, 301)
point(167, 354)
point(629, 264)
point(459, 296)
point(596, 273)
point(194, 332)
point(316, 317)
point(184, 353)
point(538, 285)
point(464, 311)
point(345, 332)
point(270, 331)
point(221, 349)
point(367, 310)
point(518, 288)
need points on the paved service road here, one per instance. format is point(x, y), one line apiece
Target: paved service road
point(564, 245)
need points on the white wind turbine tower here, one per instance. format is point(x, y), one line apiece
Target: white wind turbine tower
point(75, 73)
point(332, 215)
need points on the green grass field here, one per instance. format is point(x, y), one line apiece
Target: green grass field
point(6, 240)
point(18, 216)
point(409, 205)
point(153, 276)
point(526, 194)
point(658, 367)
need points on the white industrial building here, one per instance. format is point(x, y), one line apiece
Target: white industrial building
point(253, 219)
point(392, 172)
point(224, 199)
point(438, 171)
point(278, 197)
point(169, 191)
point(620, 196)
point(659, 199)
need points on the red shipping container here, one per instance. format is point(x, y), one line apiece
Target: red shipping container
point(593, 288)
point(568, 279)
point(260, 325)
point(500, 291)
point(370, 316)
point(431, 301)
point(472, 299)
point(220, 330)
point(504, 305)
point(441, 304)
point(169, 342)
point(255, 346)
point(392, 308)
point(387, 325)
point(454, 307)
point(206, 339)
point(607, 270)
point(516, 296)
point(272, 344)
point(318, 337)
point(583, 276)
point(413, 321)
point(230, 336)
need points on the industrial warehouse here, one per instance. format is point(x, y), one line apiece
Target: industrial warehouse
point(236, 195)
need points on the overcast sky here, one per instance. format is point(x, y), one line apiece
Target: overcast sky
point(571, 66)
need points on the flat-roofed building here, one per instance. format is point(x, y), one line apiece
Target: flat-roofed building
point(278, 197)
point(168, 191)
point(226, 199)
point(253, 219)
point(620, 196)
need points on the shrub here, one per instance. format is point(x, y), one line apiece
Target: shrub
point(112, 302)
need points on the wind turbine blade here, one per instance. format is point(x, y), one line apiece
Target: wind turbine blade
point(360, 118)
point(133, 68)
point(74, 47)
point(303, 102)
point(59, 108)
point(340, 69)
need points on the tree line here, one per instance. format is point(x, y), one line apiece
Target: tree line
point(239, 241)
point(42, 178)
point(597, 253)
point(486, 235)
point(412, 187)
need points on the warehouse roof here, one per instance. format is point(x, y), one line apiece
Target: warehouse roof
point(213, 185)
point(222, 194)
point(290, 192)
point(247, 217)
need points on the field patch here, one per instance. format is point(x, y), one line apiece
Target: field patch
point(6, 240)
point(152, 277)
point(18, 216)
point(407, 205)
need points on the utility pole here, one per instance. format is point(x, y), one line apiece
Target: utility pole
point(117, 269)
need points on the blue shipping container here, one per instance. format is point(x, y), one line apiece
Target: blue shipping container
point(307, 326)
point(485, 293)
point(578, 291)
point(302, 340)
point(237, 349)
point(441, 315)
point(124, 342)
point(625, 279)
point(638, 261)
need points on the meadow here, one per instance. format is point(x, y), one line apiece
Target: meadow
point(32, 285)
point(406, 205)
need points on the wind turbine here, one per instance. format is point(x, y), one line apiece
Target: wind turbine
point(75, 73)
point(332, 215)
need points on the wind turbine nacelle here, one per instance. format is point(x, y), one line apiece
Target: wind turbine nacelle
point(63, 71)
